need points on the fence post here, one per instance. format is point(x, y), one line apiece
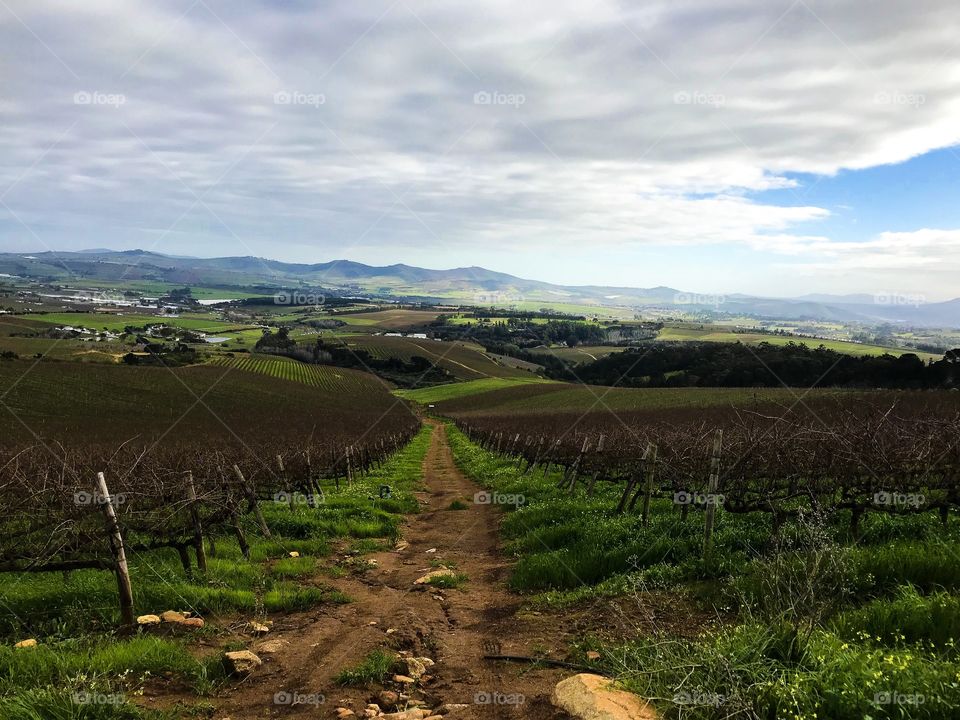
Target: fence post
point(124, 588)
point(197, 525)
point(649, 472)
point(252, 500)
point(286, 482)
point(711, 494)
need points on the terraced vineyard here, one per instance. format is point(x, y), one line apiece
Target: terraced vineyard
point(340, 380)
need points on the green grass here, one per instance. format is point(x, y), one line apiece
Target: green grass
point(464, 389)
point(448, 582)
point(819, 628)
point(373, 669)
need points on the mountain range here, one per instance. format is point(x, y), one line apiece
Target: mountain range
point(472, 285)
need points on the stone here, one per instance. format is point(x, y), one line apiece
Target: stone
point(388, 698)
point(442, 572)
point(271, 647)
point(593, 655)
point(29, 643)
point(401, 546)
point(193, 622)
point(259, 628)
point(448, 708)
point(172, 617)
point(403, 679)
point(343, 712)
point(415, 668)
point(592, 697)
point(146, 620)
point(241, 662)
point(294, 554)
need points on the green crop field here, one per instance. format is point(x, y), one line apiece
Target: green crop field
point(708, 334)
point(91, 402)
point(116, 322)
point(466, 389)
point(332, 379)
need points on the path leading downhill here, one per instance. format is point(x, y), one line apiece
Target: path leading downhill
point(455, 627)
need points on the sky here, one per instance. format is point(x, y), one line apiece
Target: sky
point(758, 146)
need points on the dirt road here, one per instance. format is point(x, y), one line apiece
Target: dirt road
point(454, 627)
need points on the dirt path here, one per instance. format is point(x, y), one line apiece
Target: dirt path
point(454, 627)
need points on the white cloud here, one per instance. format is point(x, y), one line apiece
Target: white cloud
point(646, 125)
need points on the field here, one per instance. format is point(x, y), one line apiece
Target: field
point(464, 361)
point(709, 334)
point(69, 402)
point(343, 382)
point(117, 322)
point(469, 388)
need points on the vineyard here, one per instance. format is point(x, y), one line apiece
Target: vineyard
point(333, 379)
point(864, 457)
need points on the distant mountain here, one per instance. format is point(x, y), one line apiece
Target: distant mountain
point(475, 285)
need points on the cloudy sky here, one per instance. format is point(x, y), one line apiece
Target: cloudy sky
point(764, 146)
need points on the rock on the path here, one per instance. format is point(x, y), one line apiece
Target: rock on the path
point(403, 679)
point(343, 712)
point(388, 698)
point(412, 714)
point(591, 697)
point(259, 628)
point(241, 662)
point(147, 620)
point(28, 643)
point(173, 617)
point(442, 572)
point(449, 708)
point(271, 647)
point(593, 655)
point(193, 622)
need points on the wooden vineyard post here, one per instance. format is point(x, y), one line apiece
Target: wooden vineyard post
point(197, 525)
point(577, 464)
point(631, 484)
point(252, 500)
point(349, 469)
point(124, 588)
point(596, 473)
point(285, 481)
point(649, 471)
point(712, 496)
